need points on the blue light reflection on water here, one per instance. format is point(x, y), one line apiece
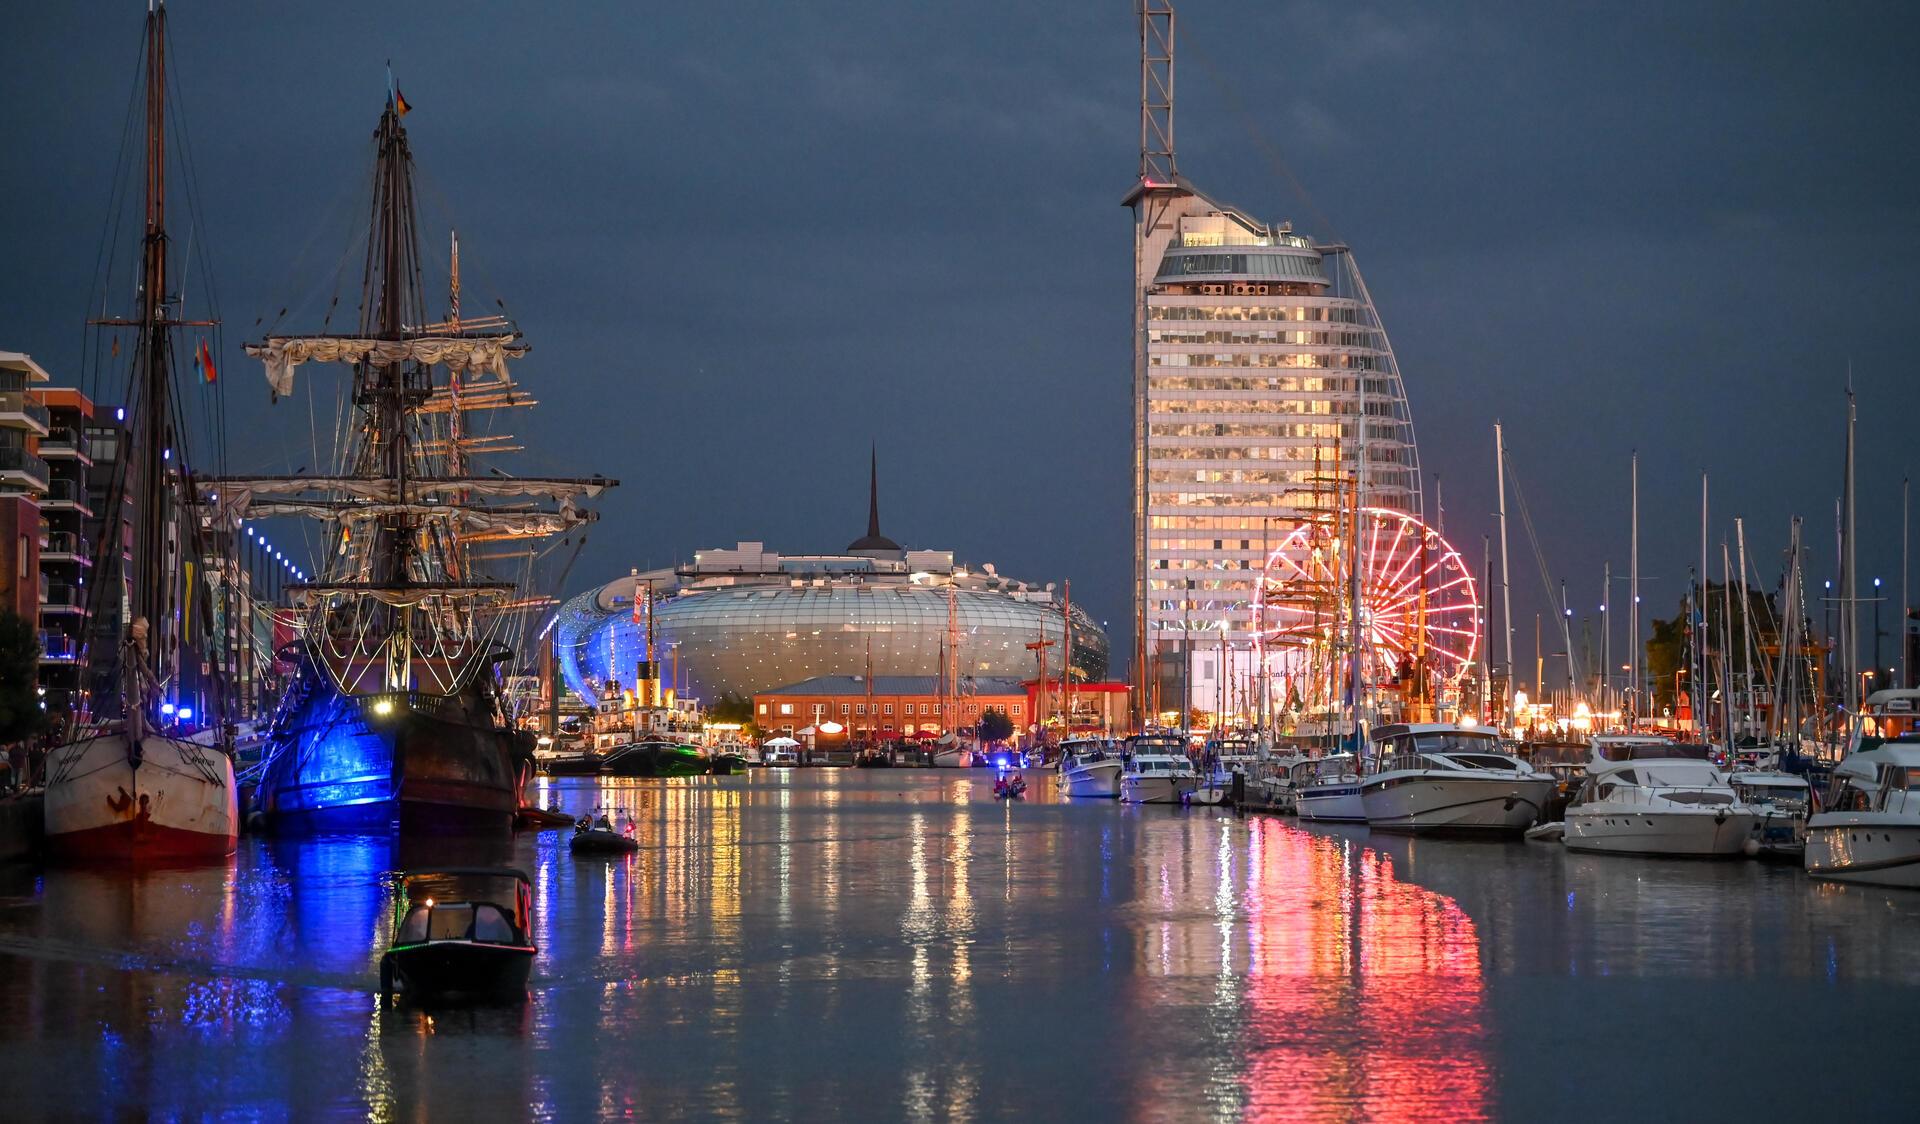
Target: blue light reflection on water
point(898, 944)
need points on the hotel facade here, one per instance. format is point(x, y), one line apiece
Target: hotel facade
point(1255, 349)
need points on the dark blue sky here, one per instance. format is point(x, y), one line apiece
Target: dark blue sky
point(747, 240)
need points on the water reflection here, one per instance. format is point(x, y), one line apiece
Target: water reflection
point(900, 945)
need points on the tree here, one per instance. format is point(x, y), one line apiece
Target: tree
point(994, 726)
point(1670, 646)
point(20, 714)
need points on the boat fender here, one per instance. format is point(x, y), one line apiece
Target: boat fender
point(1750, 848)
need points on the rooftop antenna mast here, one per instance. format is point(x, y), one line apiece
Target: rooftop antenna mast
point(1150, 200)
point(1157, 166)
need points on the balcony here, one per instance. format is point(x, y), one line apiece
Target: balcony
point(65, 546)
point(17, 411)
point(65, 443)
point(58, 647)
point(63, 597)
point(23, 470)
point(65, 495)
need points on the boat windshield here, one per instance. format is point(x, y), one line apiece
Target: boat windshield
point(449, 922)
point(1642, 751)
point(414, 929)
point(492, 926)
point(1454, 741)
point(1481, 760)
point(1788, 799)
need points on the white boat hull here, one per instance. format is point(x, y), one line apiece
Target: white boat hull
point(1425, 802)
point(175, 803)
point(1100, 779)
point(1332, 803)
point(1652, 831)
point(1156, 789)
point(1871, 848)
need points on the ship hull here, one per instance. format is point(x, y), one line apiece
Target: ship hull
point(171, 802)
point(370, 765)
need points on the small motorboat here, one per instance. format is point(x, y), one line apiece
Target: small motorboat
point(596, 835)
point(532, 817)
point(572, 765)
point(727, 764)
point(1158, 770)
point(1327, 789)
point(460, 932)
point(1010, 786)
point(1090, 767)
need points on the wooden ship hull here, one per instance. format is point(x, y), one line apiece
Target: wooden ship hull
point(403, 761)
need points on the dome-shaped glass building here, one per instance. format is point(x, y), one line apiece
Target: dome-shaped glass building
point(745, 620)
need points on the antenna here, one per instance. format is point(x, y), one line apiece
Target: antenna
point(1156, 92)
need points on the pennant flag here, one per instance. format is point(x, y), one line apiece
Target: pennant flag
point(400, 106)
point(205, 361)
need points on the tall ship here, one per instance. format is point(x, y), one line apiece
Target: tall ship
point(395, 716)
point(126, 788)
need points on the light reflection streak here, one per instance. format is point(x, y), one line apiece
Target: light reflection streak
point(1364, 992)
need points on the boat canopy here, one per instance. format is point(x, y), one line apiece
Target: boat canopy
point(506, 887)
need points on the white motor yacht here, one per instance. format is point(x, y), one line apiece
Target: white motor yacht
point(1327, 789)
point(1090, 767)
point(1158, 770)
point(1870, 830)
point(1650, 796)
point(1433, 777)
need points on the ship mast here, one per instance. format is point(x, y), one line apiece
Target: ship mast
point(150, 595)
point(402, 510)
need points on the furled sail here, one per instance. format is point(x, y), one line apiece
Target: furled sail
point(493, 522)
point(469, 353)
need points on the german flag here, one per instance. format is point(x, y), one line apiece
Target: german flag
point(400, 106)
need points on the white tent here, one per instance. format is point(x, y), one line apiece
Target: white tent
point(779, 743)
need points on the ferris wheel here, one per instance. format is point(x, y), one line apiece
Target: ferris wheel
point(1419, 609)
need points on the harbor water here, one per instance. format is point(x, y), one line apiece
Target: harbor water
point(895, 944)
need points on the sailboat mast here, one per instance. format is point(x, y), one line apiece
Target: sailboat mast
point(1606, 637)
point(1506, 593)
point(1633, 606)
point(1357, 659)
point(1699, 629)
point(1746, 624)
point(1727, 644)
point(1786, 692)
point(151, 592)
point(1849, 614)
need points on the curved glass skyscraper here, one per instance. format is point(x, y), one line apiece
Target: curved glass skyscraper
point(1256, 346)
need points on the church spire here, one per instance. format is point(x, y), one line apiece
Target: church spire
point(873, 491)
point(873, 541)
